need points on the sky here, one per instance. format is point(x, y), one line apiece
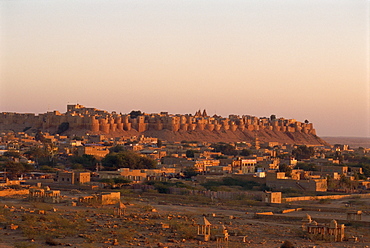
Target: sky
point(297, 59)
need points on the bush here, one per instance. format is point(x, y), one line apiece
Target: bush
point(127, 159)
point(25, 245)
point(287, 244)
point(229, 181)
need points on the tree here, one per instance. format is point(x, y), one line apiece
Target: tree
point(303, 152)
point(135, 113)
point(273, 117)
point(14, 169)
point(37, 154)
point(190, 153)
point(51, 150)
point(286, 168)
point(121, 180)
point(39, 136)
point(190, 172)
point(287, 244)
point(224, 148)
point(338, 156)
point(127, 159)
point(13, 154)
point(47, 168)
point(307, 166)
point(245, 152)
point(117, 148)
point(345, 182)
point(86, 161)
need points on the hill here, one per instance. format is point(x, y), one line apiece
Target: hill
point(353, 142)
point(79, 120)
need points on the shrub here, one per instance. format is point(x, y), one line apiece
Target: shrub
point(25, 245)
point(287, 244)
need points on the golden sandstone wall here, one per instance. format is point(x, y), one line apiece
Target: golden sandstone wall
point(98, 121)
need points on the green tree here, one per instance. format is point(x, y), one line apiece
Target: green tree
point(37, 154)
point(127, 159)
point(287, 244)
point(287, 169)
point(14, 169)
point(47, 168)
point(115, 182)
point(224, 148)
point(86, 161)
point(117, 148)
point(121, 180)
point(245, 152)
point(190, 153)
point(307, 166)
point(51, 150)
point(190, 172)
point(135, 113)
point(303, 152)
point(108, 181)
point(13, 154)
point(345, 182)
point(39, 136)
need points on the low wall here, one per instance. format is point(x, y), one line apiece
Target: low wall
point(217, 194)
point(11, 192)
point(312, 198)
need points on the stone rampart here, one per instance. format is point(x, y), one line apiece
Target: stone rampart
point(94, 121)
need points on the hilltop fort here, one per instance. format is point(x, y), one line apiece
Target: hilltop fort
point(80, 120)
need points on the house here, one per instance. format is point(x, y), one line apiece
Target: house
point(73, 177)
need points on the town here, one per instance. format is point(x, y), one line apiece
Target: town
point(207, 193)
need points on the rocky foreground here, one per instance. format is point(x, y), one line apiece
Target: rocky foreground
point(157, 220)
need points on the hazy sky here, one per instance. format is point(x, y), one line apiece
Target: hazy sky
point(300, 59)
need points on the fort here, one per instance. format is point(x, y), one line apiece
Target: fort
point(173, 127)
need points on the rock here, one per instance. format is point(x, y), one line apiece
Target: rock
point(13, 227)
point(115, 242)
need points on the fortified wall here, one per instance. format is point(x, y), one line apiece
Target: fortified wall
point(99, 121)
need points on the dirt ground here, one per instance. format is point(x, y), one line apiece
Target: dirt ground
point(158, 220)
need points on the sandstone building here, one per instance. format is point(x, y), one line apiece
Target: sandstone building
point(94, 121)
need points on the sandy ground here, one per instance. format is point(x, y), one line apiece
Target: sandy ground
point(82, 226)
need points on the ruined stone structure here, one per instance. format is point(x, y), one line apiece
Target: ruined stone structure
point(95, 121)
point(354, 215)
point(222, 239)
point(204, 229)
point(271, 197)
point(120, 209)
point(332, 232)
point(42, 195)
point(105, 198)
